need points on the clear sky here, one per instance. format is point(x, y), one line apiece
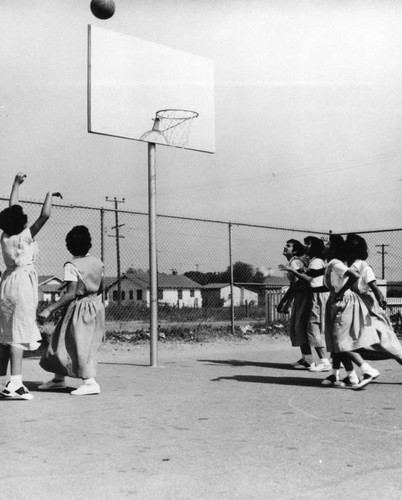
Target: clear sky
point(308, 110)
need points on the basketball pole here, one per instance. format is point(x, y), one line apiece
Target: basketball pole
point(153, 261)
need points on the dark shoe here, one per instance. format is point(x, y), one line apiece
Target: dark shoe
point(332, 381)
point(348, 384)
point(301, 365)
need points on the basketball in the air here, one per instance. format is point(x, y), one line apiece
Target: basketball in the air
point(103, 9)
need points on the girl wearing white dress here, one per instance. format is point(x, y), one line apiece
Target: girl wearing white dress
point(348, 325)
point(18, 291)
point(366, 287)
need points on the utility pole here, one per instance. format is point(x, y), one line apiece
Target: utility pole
point(383, 254)
point(117, 236)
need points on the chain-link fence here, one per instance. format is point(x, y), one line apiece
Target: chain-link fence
point(209, 272)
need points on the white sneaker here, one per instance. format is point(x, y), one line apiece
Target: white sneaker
point(321, 367)
point(52, 385)
point(11, 392)
point(86, 390)
point(374, 373)
point(365, 380)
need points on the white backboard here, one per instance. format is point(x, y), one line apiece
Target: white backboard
point(129, 79)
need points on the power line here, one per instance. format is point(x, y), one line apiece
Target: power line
point(117, 236)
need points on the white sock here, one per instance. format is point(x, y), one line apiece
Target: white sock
point(336, 372)
point(325, 361)
point(16, 380)
point(353, 377)
point(89, 381)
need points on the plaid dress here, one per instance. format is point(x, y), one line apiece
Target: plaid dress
point(76, 339)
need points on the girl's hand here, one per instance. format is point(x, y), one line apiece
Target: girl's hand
point(282, 267)
point(383, 303)
point(20, 177)
point(282, 308)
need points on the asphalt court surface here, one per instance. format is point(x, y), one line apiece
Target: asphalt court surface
point(220, 420)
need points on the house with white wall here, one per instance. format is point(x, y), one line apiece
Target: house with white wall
point(173, 290)
point(219, 295)
point(49, 288)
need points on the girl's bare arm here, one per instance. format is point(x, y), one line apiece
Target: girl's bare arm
point(14, 196)
point(378, 294)
point(68, 297)
point(45, 213)
point(352, 277)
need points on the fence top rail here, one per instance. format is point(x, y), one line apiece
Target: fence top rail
point(198, 219)
point(178, 217)
point(373, 231)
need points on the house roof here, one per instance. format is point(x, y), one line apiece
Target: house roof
point(276, 281)
point(175, 281)
point(216, 285)
point(43, 280)
point(219, 286)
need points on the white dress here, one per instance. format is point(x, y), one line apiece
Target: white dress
point(19, 292)
point(348, 325)
point(388, 341)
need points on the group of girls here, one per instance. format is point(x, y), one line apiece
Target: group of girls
point(342, 311)
point(73, 347)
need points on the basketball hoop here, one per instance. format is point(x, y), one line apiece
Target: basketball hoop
point(171, 127)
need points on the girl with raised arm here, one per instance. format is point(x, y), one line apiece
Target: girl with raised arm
point(19, 290)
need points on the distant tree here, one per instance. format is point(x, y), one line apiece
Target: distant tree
point(258, 277)
point(242, 272)
point(133, 270)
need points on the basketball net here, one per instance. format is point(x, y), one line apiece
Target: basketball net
point(171, 127)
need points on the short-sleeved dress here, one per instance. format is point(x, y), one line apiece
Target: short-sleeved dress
point(388, 341)
point(319, 298)
point(348, 325)
point(74, 344)
point(301, 306)
point(19, 292)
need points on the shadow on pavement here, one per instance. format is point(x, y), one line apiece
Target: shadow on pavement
point(237, 362)
point(308, 382)
point(122, 364)
point(33, 387)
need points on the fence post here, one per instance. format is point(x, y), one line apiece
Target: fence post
point(270, 306)
point(232, 316)
point(153, 259)
point(102, 244)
